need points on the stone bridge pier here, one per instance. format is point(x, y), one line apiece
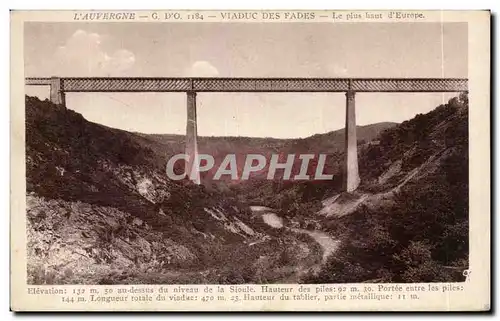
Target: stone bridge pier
point(192, 163)
point(57, 95)
point(351, 171)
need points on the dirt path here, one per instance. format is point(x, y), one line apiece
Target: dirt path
point(327, 243)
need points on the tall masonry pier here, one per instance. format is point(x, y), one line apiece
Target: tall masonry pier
point(191, 86)
point(57, 95)
point(351, 172)
point(192, 163)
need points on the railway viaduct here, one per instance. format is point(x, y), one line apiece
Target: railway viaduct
point(59, 86)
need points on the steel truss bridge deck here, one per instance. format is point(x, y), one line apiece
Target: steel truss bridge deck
point(98, 84)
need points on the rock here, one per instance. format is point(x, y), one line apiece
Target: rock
point(137, 221)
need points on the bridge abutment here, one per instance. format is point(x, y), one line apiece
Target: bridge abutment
point(192, 164)
point(57, 95)
point(351, 171)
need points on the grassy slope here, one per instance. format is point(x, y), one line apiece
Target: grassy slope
point(326, 143)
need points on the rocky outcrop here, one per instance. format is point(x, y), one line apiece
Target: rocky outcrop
point(75, 242)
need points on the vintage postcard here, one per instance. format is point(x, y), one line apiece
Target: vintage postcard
point(250, 160)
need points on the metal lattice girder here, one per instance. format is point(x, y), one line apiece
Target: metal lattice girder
point(126, 84)
point(37, 81)
point(270, 85)
point(257, 84)
point(410, 85)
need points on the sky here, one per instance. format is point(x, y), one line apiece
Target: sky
point(245, 50)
